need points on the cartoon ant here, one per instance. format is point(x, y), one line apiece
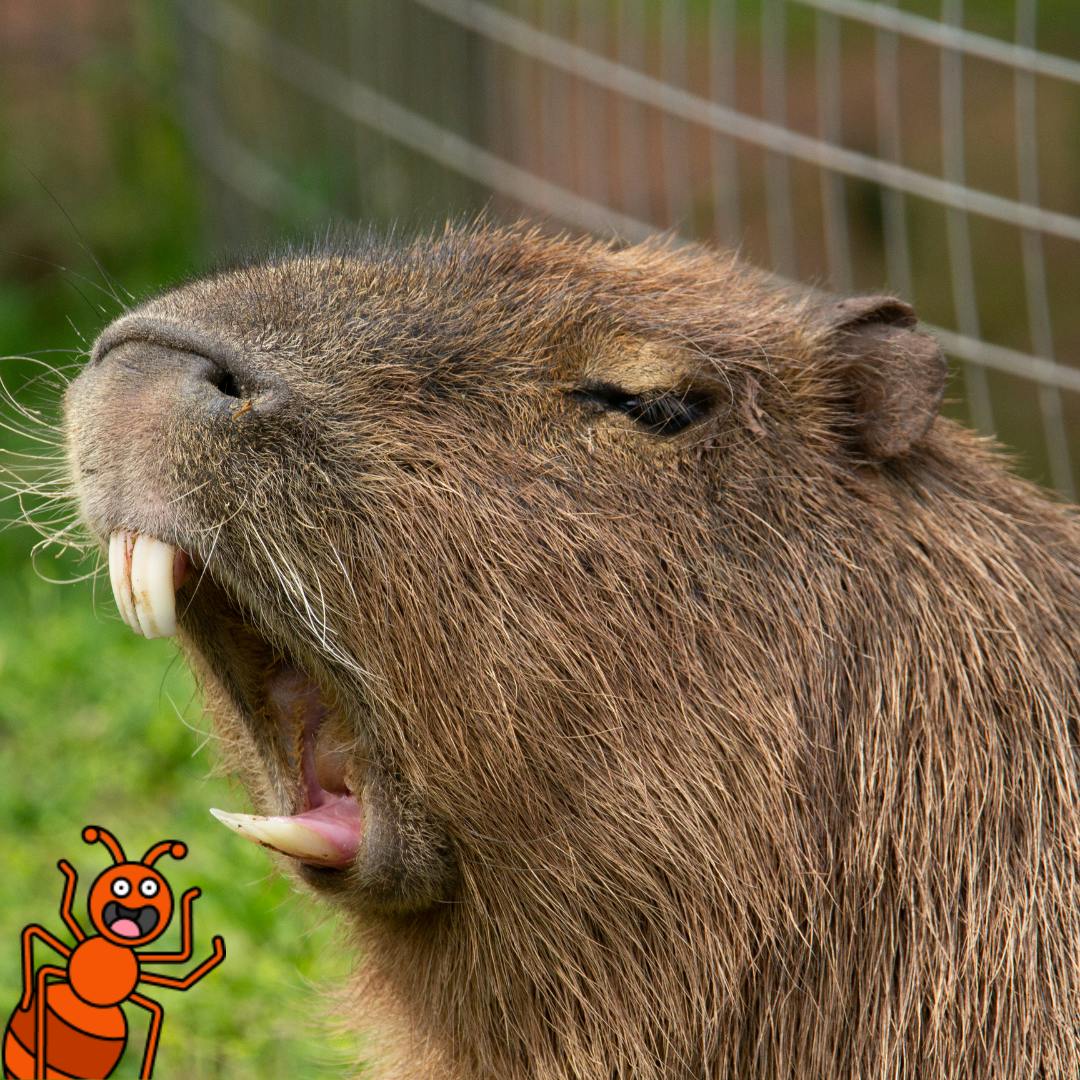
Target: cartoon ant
point(73, 1025)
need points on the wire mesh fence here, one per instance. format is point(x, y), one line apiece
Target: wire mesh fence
point(915, 146)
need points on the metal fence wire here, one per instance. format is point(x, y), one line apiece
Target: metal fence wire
point(856, 145)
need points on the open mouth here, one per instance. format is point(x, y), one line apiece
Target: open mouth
point(326, 826)
point(129, 922)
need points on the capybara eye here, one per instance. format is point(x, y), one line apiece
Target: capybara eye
point(668, 412)
point(121, 887)
point(149, 887)
point(660, 412)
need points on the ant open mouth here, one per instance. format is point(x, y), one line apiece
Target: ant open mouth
point(129, 922)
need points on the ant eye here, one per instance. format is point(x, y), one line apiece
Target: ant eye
point(121, 887)
point(149, 887)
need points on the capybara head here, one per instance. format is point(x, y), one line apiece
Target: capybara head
point(623, 642)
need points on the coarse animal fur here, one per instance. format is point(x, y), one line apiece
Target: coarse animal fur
point(718, 702)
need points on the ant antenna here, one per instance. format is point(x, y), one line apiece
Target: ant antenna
point(166, 847)
point(95, 833)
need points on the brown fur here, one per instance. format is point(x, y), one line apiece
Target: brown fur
point(746, 751)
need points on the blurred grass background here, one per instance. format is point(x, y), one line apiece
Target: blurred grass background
point(130, 140)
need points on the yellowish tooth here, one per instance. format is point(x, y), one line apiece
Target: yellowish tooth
point(152, 588)
point(284, 834)
point(120, 577)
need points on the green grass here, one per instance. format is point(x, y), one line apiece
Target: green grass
point(98, 726)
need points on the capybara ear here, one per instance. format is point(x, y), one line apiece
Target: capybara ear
point(896, 374)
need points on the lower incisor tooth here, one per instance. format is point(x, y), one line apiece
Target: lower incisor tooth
point(283, 834)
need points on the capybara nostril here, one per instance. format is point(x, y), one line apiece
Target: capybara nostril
point(225, 382)
point(143, 376)
point(193, 365)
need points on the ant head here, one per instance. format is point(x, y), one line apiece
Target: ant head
point(131, 903)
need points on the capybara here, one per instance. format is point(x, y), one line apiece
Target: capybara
point(621, 640)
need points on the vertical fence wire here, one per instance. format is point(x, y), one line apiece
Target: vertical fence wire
point(501, 99)
point(355, 38)
point(633, 152)
point(675, 160)
point(1034, 261)
point(780, 218)
point(723, 153)
point(958, 229)
point(890, 148)
point(594, 129)
point(553, 102)
point(834, 202)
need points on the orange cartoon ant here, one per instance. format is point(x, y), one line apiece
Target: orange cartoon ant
point(69, 1021)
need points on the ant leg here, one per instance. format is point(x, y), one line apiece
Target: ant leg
point(66, 912)
point(46, 971)
point(192, 977)
point(187, 928)
point(28, 935)
point(157, 1014)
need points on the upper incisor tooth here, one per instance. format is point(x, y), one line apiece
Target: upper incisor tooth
point(120, 577)
point(152, 588)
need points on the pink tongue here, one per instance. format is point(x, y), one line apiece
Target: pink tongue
point(125, 928)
